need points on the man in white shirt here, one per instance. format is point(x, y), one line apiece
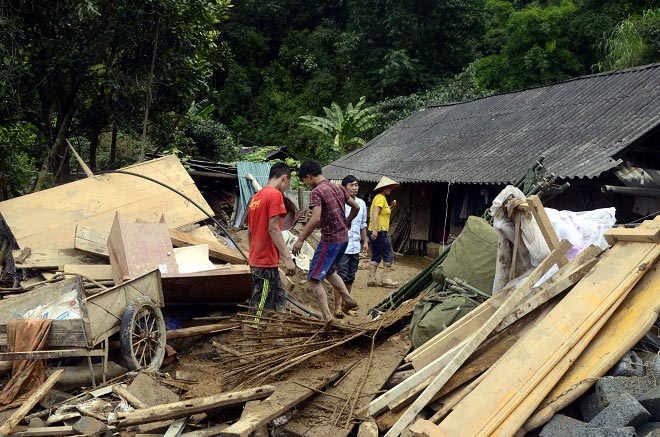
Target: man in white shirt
point(357, 242)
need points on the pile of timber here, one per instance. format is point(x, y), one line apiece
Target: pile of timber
point(529, 351)
point(65, 230)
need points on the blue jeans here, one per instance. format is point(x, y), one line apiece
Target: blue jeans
point(381, 248)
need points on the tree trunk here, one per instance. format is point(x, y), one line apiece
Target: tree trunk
point(49, 162)
point(113, 148)
point(147, 102)
point(94, 147)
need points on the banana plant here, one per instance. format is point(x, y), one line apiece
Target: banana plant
point(344, 128)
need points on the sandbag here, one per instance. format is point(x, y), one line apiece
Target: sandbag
point(472, 256)
point(436, 312)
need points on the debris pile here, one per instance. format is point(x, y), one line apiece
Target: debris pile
point(558, 335)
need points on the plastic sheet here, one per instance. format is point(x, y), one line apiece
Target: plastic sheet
point(582, 229)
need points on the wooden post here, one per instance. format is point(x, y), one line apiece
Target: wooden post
point(542, 220)
point(189, 407)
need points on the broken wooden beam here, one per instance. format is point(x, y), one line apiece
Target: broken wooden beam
point(121, 391)
point(196, 331)
point(551, 339)
point(472, 343)
point(188, 407)
point(51, 258)
point(216, 249)
point(18, 415)
point(647, 232)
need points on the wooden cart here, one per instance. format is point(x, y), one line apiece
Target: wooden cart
point(131, 309)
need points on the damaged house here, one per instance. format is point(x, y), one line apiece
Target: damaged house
point(598, 133)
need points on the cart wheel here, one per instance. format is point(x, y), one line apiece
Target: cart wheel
point(142, 335)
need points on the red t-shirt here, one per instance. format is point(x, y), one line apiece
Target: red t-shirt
point(267, 203)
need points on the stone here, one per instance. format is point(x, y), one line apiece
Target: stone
point(621, 412)
point(629, 365)
point(89, 426)
point(651, 401)
point(608, 388)
point(649, 429)
point(53, 397)
point(563, 426)
point(589, 407)
point(654, 368)
point(368, 429)
point(36, 422)
point(152, 393)
point(627, 431)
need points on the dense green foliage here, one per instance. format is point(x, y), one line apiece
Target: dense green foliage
point(119, 77)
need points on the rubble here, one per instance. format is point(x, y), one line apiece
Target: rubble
point(568, 328)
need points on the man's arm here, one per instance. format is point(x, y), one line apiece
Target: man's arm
point(364, 239)
point(374, 222)
point(276, 234)
point(312, 224)
point(355, 208)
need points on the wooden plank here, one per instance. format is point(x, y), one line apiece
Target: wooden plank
point(410, 386)
point(91, 240)
point(534, 398)
point(50, 354)
point(477, 338)
point(138, 248)
point(627, 326)
point(48, 219)
point(285, 398)
point(95, 272)
point(196, 331)
point(543, 221)
point(188, 407)
point(217, 250)
point(107, 307)
point(62, 333)
point(647, 232)
point(222, 286)
point(46, 431)
point(17, 306)
point(577, 268)
point(203, 233)
point(53, 258)
point(121, 391)
point(35, 397)
point(210, 431)
point(483, 410)
point(176, 428)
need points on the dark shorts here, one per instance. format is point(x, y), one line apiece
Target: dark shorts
point(326, 257)
point(267, 290)
point(348, 266)
point(381, 248)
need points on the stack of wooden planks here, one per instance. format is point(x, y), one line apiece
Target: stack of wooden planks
point(66, 230)
point(529, 351)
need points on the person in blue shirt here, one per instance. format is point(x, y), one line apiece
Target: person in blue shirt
point(357, 242)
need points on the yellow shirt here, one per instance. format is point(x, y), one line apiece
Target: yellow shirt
point(383, 214)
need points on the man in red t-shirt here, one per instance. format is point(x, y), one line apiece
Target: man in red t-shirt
point(265, 213)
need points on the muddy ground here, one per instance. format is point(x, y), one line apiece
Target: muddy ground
point(201, 362)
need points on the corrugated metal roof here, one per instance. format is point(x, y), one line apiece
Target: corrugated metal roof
point(260, 171)
point(579, 125)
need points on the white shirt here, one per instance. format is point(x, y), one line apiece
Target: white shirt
point(358, 223)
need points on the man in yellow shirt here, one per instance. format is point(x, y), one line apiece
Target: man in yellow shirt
point(381, 246)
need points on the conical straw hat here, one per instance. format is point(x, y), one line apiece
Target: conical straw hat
point(386, 182)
